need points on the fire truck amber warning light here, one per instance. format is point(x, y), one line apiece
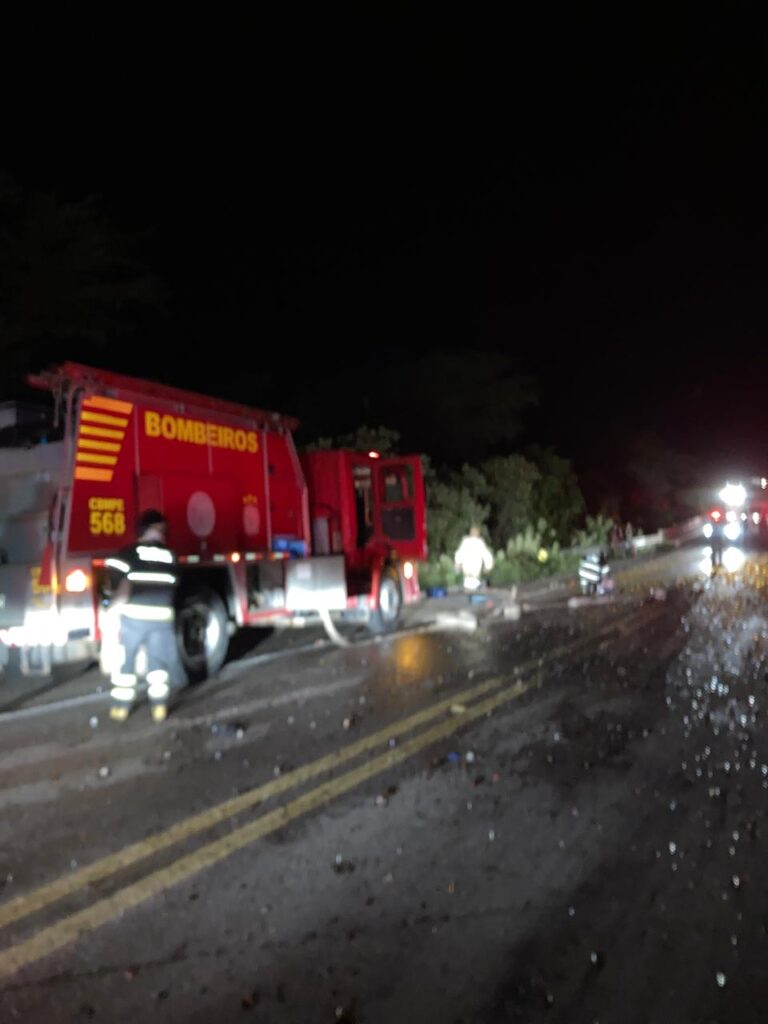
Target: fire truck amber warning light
point(76, 582)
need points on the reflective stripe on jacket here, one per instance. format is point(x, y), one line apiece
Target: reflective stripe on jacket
point(151, 572)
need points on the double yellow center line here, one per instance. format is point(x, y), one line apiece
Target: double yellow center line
point(68, 929)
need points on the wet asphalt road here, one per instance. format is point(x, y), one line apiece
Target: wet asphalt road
point(557, 819)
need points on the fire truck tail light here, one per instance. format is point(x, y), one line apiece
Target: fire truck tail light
point(374, 455)
point(235, 556)
point(76, 582)
point(408, 570)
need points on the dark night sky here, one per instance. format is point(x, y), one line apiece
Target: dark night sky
point(587, 196)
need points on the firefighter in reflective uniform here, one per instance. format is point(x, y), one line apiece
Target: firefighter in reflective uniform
point(594, 573)
point(473, 559)
point(145, 601)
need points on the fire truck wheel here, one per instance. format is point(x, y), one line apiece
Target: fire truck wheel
point(203, 634)
point(389, 604)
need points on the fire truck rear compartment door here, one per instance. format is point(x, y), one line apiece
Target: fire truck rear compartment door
point(201, 509)
point(315, 583)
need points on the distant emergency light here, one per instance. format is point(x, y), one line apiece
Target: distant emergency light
point(734, 495)
point(374, 455)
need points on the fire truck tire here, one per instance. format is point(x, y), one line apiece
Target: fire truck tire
point(202, 627)
point(389, 603)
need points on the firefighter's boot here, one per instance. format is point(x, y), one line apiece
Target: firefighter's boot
point(123, 696)
point(159, 693)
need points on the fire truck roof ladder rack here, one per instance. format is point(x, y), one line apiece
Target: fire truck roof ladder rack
point(70, 375)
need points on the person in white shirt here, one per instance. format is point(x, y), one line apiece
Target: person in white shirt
point(473, 559)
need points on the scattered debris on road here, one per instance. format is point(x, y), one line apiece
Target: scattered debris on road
point(342, 866)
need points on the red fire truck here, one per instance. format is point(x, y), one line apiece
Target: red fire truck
point(263, 536)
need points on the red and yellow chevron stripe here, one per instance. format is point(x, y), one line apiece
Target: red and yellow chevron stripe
point(103, 422)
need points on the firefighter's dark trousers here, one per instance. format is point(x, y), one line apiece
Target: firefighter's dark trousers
point(717, 551)
point(165, 672)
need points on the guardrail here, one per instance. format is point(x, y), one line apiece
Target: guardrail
point(676, 535)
